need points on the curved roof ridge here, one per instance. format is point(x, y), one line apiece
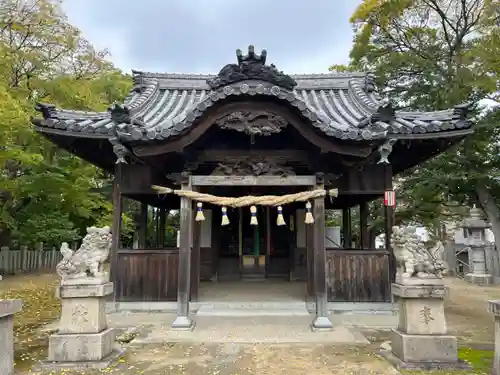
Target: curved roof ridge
point(204, 76)
point(149, 88)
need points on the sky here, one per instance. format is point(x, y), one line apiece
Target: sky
point(201, 36)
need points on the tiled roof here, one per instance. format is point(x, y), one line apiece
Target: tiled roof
point(344, 105)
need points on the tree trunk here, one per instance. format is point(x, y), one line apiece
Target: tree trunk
point(491, 209)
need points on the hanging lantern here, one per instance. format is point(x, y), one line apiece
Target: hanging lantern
point(225, 219)
point(253, 216)
point(309, 216)
point(280, 220)
point(199, 212)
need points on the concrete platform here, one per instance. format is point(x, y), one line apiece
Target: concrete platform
point(263, 329)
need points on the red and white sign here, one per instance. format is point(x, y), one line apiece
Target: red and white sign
point(390, 198)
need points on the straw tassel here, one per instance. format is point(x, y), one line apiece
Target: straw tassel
point(253, 216)
point(225, 219)
point(280, 220)
point(309, 216)
point(199, 212)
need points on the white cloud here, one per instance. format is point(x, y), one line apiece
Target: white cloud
point(200, 36)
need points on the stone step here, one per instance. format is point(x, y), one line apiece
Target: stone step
point(251, 312)
point(253, 309)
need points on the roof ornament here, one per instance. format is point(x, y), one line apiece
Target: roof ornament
point(385, 151)
point(48, 110)
point(251, 66)
point(120, 114)
point(462, 110)
point(370, 84)
point(385, 113)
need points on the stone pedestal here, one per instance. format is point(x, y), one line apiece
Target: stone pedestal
point(421, 340)
point(83, 340)
point(494, 308)
point(8, 307)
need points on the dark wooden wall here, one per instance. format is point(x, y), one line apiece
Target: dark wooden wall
point(147, 275)
point(299, 266)
point(358, 275)
point(207, 262)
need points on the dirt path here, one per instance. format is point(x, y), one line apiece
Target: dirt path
point(466, 311)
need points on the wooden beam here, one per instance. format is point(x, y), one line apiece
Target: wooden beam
point(183, 320)
point(221, 155)
point(321, 321)
point(253, 181)
point(116, 226)
point(388, 223)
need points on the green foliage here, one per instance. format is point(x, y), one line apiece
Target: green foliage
point(432, 55)
point(46, 194)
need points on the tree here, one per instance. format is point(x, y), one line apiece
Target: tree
point(46, 194)
point(434, 54)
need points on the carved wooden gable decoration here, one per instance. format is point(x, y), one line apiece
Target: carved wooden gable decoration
point(253, 122)
point(253, 166)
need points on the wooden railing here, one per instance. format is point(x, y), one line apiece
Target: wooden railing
point(356, 275)
point(147, 275)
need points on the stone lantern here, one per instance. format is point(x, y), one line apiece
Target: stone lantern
point(475, 227)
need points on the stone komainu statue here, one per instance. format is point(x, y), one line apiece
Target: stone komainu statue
point(85, 264)
point(413, 258)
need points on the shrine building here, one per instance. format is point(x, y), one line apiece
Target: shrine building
point(252, 157)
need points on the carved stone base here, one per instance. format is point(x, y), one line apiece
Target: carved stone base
point(423, 352)
point(183, 323)
point(106, 362)
point(400, 279)
point(479, 279)
point(321, 323)
point(81, 347)
point(87, 280)
point(83, 308)
point(83, 340)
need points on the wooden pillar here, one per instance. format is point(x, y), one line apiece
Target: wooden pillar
point(143, 225)
point(195, 258)
point(161, 229)
point(116, 227)
point(389, 222)
point(364, 242)
point(268, 241)
point(321, 321)
point(310, 261)
point(183, 320)
point(346, 227)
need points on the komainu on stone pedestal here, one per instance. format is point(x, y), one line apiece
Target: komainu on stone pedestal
point(84, 340)
point(416, 264)
point(84, 266)
point(421, 340)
